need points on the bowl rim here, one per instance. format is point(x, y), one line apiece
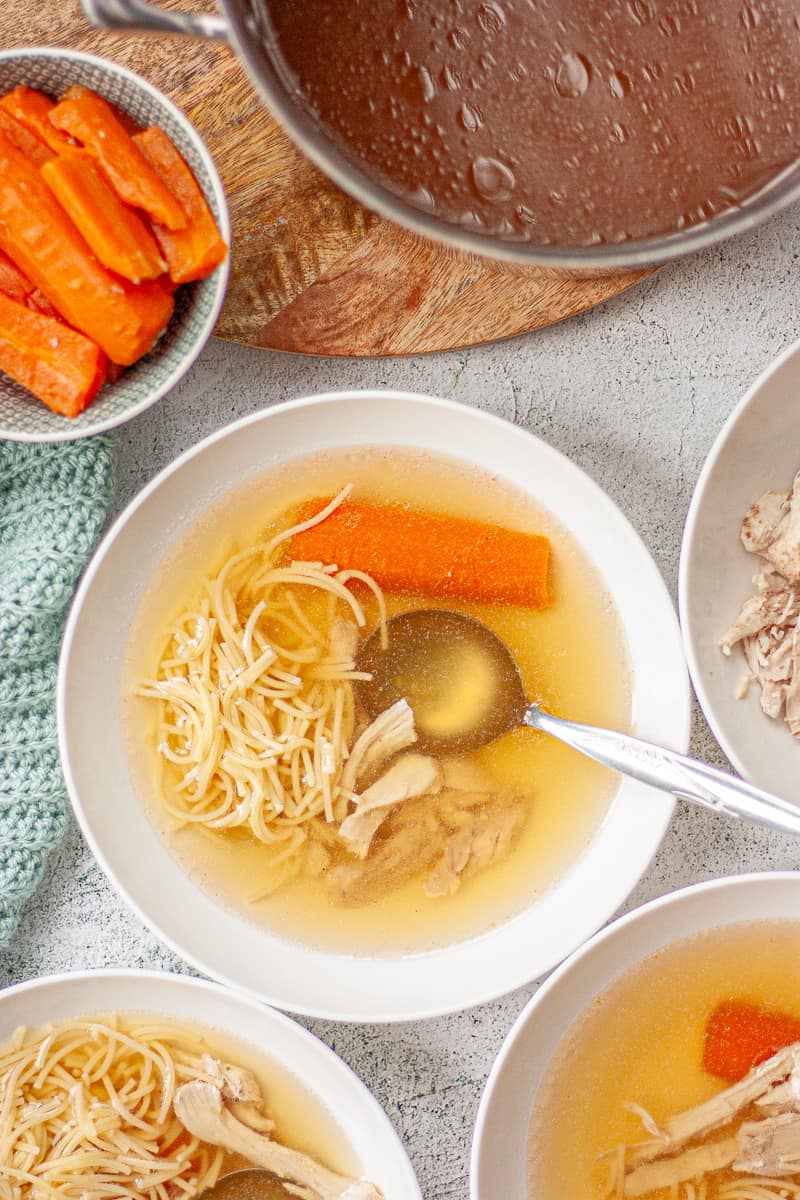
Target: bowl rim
point(491, 985)
point(690, 530)
point(220, 277)
point(615, 930)
point(636, 254)
point(348, 1080)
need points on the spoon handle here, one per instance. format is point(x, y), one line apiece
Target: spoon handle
point(671, 772)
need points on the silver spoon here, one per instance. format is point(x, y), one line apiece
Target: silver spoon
point(465, 690)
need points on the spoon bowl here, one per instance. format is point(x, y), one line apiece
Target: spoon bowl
point(460, 679)
point(250, 1184)
point(465, 690)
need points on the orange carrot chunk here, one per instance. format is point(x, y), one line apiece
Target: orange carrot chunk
point(25, 141)
point(13, 283)
point(76, 91)
point(195, 252)
point(428, 554)
point(39, 237)
point(91, 120)
point(55, 363)
point(116, 232)
point(32, 109)
point(740, 1035)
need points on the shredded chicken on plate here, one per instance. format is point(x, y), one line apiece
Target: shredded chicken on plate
point(768, 626)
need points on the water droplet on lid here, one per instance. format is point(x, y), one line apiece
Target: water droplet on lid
point(669, 25)
point(428, 86)
point(619, 84)
point(652, 71)
point(491, 18)
point(685, 82)
point(492, 179)
point(619, 133)
point(487, 61)
point(470, 117)
point(450, 79)
point(641, 11)
point(750, 17)
point(525, 214)
point(458, 38)
point(558, 198)
point(573, 76)
point(422, 198)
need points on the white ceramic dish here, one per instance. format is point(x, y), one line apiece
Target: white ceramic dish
point(23, 418)
point(758, 448)
point(364, 1126)
point(501, 1132)
point(288, 974)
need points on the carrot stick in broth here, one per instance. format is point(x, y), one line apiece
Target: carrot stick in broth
point(427, 553)
point(740, 1035)
point(90, 119)
point(42, 241)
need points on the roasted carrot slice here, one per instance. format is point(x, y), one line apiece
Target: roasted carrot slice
point(740, 1035)
point(116, 232)
point(32, 109)
point(77, 91)
point(195, 252)
point(60, 366)
point(25, 141)
point(427, 554)
point(39, 237)
point(91, 120)
point(13, 283)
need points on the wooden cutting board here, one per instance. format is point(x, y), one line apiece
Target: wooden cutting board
point(312, 271)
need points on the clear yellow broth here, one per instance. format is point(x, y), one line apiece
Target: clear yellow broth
point(572, 657)
point(641, 1041)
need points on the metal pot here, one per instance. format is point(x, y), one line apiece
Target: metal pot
point(244, 24)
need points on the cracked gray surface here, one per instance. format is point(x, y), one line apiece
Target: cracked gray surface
point(634, 392)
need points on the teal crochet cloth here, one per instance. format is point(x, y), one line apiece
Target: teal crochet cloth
point(54, 500)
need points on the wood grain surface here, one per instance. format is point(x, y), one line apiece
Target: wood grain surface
point(312, 271)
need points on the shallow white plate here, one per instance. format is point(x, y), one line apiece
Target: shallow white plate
point(289, 974)
point(758, 448)
point(364, 1126)
point(501, 1131)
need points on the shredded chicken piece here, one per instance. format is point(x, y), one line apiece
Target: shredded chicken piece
point(766, 1149)
point(202, 1109)
point(483, 829)
point(412, 841)
point(720, 1109)
point(392, 731)
point(770, 1147)
point(691, 1164)
point(768, 626)
point(410, 776)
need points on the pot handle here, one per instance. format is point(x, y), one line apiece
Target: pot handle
point(139, 16)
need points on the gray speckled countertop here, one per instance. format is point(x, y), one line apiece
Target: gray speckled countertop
point(634, 392)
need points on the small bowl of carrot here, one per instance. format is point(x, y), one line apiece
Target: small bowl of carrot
point(114, 235)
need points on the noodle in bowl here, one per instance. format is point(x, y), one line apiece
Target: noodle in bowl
point(87, 1096)
point(225, 646)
